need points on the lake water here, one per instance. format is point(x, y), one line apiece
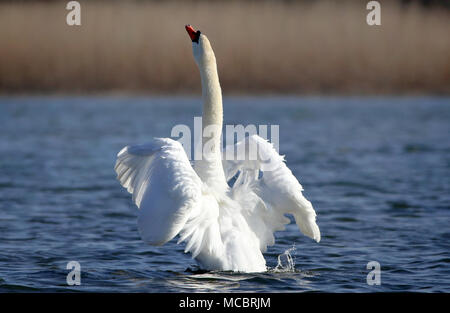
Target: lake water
point(377, 171)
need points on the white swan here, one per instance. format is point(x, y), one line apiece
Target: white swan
point(225, 228)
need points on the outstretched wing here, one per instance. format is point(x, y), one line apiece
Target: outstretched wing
point(163, 184)
point(268, 189)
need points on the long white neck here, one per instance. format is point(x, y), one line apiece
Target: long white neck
point(212, 103)
point(210, 168)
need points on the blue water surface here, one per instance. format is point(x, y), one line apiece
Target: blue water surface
point(377, 171)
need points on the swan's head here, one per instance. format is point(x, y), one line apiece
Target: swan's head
point(201, 48)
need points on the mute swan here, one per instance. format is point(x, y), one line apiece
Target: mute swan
point(225, 228)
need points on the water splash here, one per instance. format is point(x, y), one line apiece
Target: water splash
point(286, 262)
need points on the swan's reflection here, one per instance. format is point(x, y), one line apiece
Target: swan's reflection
point(238, 282)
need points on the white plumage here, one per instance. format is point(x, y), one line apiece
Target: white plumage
point(225, 228)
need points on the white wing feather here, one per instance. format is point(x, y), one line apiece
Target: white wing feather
point(163, 184)
point(267, 198)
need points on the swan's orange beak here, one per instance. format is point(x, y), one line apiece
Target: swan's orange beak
point(192, 33)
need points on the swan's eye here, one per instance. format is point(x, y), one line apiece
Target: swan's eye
point(196, 36)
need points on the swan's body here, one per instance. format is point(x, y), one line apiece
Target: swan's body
point(225, 228)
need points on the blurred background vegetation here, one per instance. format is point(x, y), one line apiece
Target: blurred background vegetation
point(296, 47)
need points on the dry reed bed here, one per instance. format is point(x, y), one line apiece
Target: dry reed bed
point(261, 47)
